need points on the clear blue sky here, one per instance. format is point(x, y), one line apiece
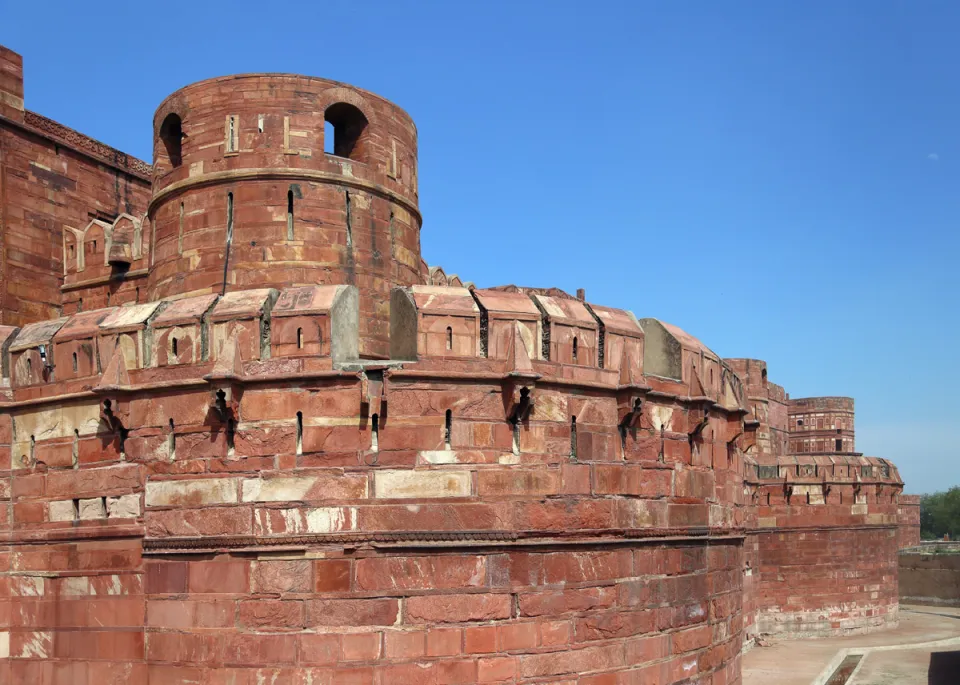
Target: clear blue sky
point(779, 179)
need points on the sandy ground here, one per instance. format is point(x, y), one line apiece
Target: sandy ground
point(923, 650)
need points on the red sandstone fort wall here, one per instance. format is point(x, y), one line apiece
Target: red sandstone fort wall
point(909, 521)
point(207, 483)
point(55, 183)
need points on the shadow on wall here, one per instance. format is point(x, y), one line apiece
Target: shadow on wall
point(944, 668)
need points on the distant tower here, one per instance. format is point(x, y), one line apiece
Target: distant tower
point(244, 195)
point(821, 425)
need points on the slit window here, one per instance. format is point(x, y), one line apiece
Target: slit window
point(75, 362)
point(573, 435)
point(576, 351)
point(449, 338)
point(171, 135)
point(349, 127)
point(174, 347)
point(375, 433)
point(299, 432)
point(290, 215)
point(299, 338)
point(232, 133)
point(447, 428)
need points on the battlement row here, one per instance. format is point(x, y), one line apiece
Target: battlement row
point(443, 322)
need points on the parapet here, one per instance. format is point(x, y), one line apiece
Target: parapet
point(312, 321)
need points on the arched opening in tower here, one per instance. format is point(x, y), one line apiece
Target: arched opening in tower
point(171, 133)
point(349, 129)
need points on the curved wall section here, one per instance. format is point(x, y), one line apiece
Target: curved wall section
point(244, 195)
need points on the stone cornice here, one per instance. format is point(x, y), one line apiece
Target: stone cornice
point(62, 135)
point(283, 174)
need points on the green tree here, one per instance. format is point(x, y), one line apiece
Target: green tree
point(940, 514)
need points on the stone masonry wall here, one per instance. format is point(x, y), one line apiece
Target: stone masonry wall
point(53, 183)
point(245, 442)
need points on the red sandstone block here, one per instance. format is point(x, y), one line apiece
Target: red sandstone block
point(116, 612)
point(258, 650)
point(517, 483)
point(444, 641)
point(191, 522)
point(182, 614)
point(497, 669)
point(219, 576)
point(87, 482)
point(319, 649)
point(456, 672)
point(456, 608)
point(480, 640)
point(26, 513)
point(579, 567)
point(575, 479)
point(655, 482)
point(265, 440)
point(406, 644)
point(360, 646)
point(421, 573)
point(517, 636)
point(555, 633)
point(616, 479)
point(565, 601)
point(332, 575)
point(270, 613)
point(614, 624)
point(687, 515)
point(352, 612)
point(640, 650)
point(283, 576)
point(55, 454)
point(583, 660)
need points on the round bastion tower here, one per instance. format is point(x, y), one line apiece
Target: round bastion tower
point(244, 195)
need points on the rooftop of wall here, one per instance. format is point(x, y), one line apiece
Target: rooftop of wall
point(276, 76)
point(688, 341)
point(828, 403)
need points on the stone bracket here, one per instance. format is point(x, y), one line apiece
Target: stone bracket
point(374, 385)
point(518, 396)
point(630, 405)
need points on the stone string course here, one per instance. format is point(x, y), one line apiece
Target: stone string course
point(253, 438)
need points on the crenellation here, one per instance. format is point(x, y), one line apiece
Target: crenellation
point(255, 418)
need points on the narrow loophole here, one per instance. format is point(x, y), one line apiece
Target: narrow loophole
point(449, 338)
point(172, 442)
point(448, 427)
point(299, 432)
point(576, 351)
point(375, 432)
point(75, 362)
point(299, 338)
point(174, 347)
point(290, 215)
point(573, 434)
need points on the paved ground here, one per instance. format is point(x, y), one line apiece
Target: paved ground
point(923, 650)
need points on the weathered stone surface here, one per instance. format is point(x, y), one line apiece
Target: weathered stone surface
point(210, 485)
point(425, 484)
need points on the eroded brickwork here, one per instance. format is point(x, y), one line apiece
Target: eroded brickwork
point(277, 447)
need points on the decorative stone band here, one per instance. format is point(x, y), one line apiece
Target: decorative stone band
point(47, 128)
point(443, 539)
point(280, 174)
